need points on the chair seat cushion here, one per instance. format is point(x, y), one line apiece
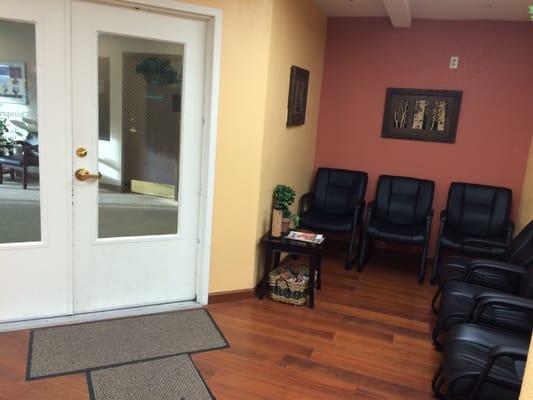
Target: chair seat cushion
point(493, 246)
point(11, 161)
point(326, 222)
point(384, 230)
point(457, 301)
point(466, 351)
point(453, 268)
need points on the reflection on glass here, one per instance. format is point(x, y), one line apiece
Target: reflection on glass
point(20, 219)
point(139, 91)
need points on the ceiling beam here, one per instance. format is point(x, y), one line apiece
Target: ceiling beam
point(399, 12)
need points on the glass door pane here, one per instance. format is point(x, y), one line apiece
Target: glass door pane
point(139, 116)
point(20, 209)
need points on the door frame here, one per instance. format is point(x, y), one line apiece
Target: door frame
point(213, 18)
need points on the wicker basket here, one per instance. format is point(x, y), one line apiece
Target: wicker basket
point(289, 292)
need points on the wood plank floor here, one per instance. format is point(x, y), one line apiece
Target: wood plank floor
point(367, 338)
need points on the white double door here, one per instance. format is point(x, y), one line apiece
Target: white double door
point(109, 237)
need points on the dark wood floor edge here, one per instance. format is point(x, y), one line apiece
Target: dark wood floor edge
point(231, 295)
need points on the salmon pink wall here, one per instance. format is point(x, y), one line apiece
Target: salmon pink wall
point(364, 56)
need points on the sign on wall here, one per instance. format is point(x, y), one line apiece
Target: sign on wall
point(13, 83)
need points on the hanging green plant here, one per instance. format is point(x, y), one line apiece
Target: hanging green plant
point(157, 72)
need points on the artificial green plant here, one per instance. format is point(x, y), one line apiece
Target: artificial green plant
point(283, 198)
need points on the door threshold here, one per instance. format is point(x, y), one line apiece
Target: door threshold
point(96, 316)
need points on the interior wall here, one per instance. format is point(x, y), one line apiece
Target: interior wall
point(525, 212)
point(261, 39)
point(364, 56)
point(17, 44)
point(527, 381)
point(298, 38)
point(110, 151)
point(243, 86)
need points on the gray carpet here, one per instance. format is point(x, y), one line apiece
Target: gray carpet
point(82, 347)
point(171, 378)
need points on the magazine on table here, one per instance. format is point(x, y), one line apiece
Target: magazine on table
point(309, 237)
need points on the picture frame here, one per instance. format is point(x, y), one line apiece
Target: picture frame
point(421, 114)
point(298, 87)
point(13, 83)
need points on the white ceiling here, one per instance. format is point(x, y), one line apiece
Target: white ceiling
point(506, 10)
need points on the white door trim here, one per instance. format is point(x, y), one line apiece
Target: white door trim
point(213, 17)
point(96, 316)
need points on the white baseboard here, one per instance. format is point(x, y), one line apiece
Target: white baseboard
point(96, 316)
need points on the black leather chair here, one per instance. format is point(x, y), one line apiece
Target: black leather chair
point(400, 213)
point(28, 158)
point(336, 205)
point(476, 222)
point(520, 253)
point(481, 363)
point(465, 302)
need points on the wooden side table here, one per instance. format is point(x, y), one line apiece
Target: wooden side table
point(274, 246)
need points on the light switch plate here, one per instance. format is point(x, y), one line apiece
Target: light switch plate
point(454, 62)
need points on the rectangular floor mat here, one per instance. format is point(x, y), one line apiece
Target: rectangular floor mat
point(171, 378)
point(83, 347)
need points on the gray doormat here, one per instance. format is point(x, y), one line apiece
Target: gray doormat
point(171, 378)
point(83, 347)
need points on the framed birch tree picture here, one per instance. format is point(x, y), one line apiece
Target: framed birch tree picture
point(421, 114)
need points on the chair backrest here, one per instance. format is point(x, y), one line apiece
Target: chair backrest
point(402, 200)
point(521, 248)
point(479, 210)
point(336, 191)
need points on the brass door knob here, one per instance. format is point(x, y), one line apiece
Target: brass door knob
point(81, 152)
point(83, 174)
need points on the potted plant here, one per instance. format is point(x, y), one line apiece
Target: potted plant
point(281, 216)
point(157, 72)
point(5, 143)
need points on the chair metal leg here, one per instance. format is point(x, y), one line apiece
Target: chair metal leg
point(437, 382)
point(436, 261)
point(434, 301)
point(435, 336)
point(364, 251)
point(25, 177)
point(350, 257)
point(423, 262)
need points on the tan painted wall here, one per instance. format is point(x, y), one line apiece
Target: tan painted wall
point(525, 212)
point(527, 383)
point(261, 39)
point(298, 38)
point(243, 86)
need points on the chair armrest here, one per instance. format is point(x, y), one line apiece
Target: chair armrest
point(358, 213)
point(510, 231)
point(495, 295)
point(501, 299)
point(516, 353)
point(493, 266)
point(305, 202)
point(360, 204)
point(510, 227)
